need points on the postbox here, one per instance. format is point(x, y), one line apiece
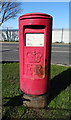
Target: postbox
point(35, 35)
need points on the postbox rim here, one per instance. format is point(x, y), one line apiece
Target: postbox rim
point(34, 15)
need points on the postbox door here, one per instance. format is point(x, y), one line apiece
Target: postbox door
point(34, 55)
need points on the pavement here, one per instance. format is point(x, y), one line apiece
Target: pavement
point(60, 53)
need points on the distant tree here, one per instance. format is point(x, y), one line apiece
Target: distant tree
point(8, 10)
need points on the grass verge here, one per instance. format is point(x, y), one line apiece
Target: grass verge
point(59, 103)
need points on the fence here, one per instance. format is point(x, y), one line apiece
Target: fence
point(9, 35)
point(58, 35)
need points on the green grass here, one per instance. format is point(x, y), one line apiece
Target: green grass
point(59, 103)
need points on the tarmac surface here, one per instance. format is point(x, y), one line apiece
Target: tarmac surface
point(60, 53)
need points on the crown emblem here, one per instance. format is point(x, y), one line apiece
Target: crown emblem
point(34, 57)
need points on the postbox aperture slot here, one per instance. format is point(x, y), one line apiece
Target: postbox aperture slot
point(35, 26)
point(34, 39)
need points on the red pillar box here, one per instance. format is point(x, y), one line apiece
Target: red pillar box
point(35, 34)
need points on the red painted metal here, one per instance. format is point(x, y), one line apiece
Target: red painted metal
point(35, 60)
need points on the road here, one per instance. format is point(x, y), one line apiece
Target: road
point(59, 53)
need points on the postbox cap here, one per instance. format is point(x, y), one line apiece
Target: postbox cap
point(35, 15)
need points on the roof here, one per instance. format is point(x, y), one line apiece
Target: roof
point(35, 15)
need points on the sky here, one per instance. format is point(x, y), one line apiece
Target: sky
point(58, 10)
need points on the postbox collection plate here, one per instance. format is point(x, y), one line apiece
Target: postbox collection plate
point(35, 39)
